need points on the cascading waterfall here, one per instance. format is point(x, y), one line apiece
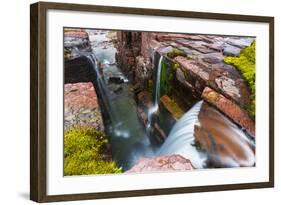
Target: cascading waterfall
point(154, 108)
point(157, 87)
point(128, 139)
point(100, 83)
point(181, 138)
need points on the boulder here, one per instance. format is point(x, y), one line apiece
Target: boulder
point(162, 163)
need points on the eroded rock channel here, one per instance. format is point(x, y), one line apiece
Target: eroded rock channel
point(165, 102)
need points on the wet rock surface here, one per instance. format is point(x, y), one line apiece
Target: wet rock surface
point(76, 41)
point(162, 164)
point(225, 143)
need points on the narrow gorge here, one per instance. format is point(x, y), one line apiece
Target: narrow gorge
point(158, 101)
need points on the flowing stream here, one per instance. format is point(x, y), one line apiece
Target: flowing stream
point(128, 137)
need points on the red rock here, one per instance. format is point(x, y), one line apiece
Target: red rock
point(162, 163)
point(148, 42)
point(192, 66)
point(80, 95)
point(76, 34)
point(81, 106)
point(230, 109)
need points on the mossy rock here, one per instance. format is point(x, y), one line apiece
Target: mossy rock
point(172, 107)
point(150, 86)
point(245, 62)
point(175, 67)
point(175, 52)
point(165, 78)
point(86, 152)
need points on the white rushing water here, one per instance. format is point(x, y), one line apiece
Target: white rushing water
point(154, 108)
point(157, 87)
point(181, 138)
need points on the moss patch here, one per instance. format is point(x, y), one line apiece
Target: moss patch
point(175, 52)
point(245, 62)
point(150, 86)
point(66, 53)
point(165, 78)
point(85, 152)
point(175, 67)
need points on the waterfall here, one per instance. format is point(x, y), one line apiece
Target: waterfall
point(157, 87)
point(181, 138)
point(100, 82)
point(152, 110)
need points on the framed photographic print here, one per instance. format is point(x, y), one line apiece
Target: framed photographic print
point(134, 102)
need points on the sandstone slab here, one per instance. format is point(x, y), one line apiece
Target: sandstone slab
point(192, 66)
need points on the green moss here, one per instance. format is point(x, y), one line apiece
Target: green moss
point(190, 56)
point(175, 52)
point(245, 62)
point(85, 152)
point(150, 86)
point(175, 66)
point(165, 79)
